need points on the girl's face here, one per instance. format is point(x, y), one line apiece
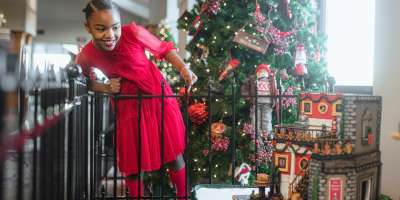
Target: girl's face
point(105, 28)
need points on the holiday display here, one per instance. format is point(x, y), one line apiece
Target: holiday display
point(244, 53)
point(348, 151)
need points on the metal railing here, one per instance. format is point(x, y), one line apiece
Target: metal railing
point(43, 140)
point(70, 143)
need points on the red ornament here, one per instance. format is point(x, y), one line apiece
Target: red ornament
point(197, 113)
point(182, 95)
point(300, 69)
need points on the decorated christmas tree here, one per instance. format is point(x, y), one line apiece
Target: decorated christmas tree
point(275, 43)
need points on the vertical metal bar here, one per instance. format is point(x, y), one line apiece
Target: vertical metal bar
point(116, 97)
point(186, 103)
point(256, 127)
point(280, 104)
point(103, 193)
point(43, 149)
point(139, 145)
point(20, 180)
point(209, 134)
point(92, 147)
point(35, 146)
point(233, 130)
point(162, 171)
point(106, 157)
point(60, 151)
point(88, 150)
point(1, 139)
point(79, 165)
point(71, 136)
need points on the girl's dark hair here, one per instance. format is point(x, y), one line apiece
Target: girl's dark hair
point(96, 5)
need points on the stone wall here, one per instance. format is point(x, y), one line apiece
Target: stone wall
point(352, 170)
point(349, 118)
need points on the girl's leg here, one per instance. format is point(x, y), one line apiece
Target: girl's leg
point(177, 174)
point(133, 183)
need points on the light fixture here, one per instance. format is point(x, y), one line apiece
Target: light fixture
point(396, 135)
point(2, 19)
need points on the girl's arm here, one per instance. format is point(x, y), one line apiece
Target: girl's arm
point(112, 87)
point(176, 61)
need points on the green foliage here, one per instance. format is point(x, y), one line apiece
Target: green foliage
point(384, 197)
point(315, 186)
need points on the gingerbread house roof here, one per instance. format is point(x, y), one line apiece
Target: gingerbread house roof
point(317, 97)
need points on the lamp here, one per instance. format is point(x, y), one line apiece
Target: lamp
point(396, 135)
point(2, 19)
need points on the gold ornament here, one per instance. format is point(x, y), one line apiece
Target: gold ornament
point(217, 129)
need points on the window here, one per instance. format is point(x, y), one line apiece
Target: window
point(366, 189)
point(322, 108)
point(337, 108)
point(307, 107)
point(366, 123)
point(350, 30)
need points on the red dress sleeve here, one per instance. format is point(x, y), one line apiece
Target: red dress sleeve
point(150, 42)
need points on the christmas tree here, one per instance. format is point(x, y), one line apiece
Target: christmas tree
point(230, 40)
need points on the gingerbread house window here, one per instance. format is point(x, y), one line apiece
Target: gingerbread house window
point(322, 108)
point(366, 123)
point(307, 107)
point(337, 108)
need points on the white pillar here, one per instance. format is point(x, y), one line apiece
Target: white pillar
point(387, 85)
point(157, 11)
point(21, 15)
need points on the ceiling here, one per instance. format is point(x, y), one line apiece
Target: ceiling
point(71, 10)
point(61, 21)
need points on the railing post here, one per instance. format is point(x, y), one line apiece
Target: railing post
point(234, 128)
point(162, 170)
point(116, 98)
point(209, 134)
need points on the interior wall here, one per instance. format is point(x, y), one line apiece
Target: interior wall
point(387, 84)
point(67, 26)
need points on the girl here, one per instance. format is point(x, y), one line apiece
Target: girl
point(119, 51)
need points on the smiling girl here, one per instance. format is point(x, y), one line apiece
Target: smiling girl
point(119, 51)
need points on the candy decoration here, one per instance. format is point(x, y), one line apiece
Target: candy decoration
point(232, 65)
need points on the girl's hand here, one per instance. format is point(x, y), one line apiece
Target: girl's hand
point(114, 86)
point(189, 77)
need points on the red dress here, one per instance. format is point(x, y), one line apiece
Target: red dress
point(128, 61)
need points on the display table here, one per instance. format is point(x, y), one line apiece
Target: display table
point(224, 192)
